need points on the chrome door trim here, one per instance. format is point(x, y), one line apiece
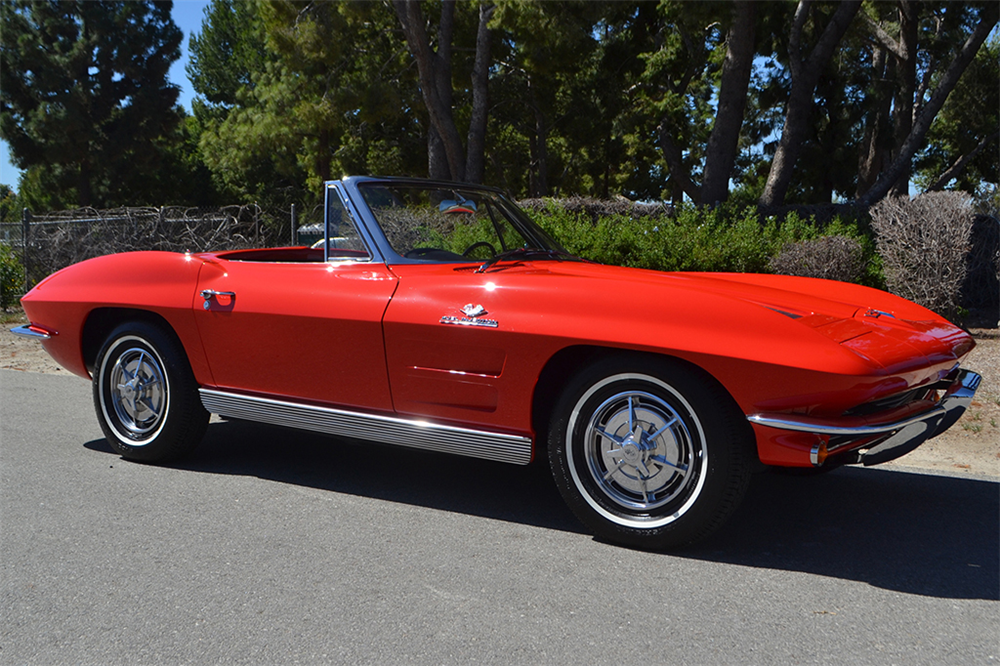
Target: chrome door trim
point(411, 433)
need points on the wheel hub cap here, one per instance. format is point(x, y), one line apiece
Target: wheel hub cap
point(631, 454)
point(639, 451)
point(138, 392)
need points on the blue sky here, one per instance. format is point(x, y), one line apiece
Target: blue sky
point(188, 15)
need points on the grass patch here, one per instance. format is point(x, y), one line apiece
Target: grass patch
point(12, 316)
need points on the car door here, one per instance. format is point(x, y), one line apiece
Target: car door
point(301, 331)
point(457, 347)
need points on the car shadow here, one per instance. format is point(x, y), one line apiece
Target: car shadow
point(514, 493)
point(915, 533)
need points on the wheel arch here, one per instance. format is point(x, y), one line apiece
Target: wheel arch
point(101, 321)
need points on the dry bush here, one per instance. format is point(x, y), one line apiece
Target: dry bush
point(831, 257)
point(924, 242)
point(596, 209)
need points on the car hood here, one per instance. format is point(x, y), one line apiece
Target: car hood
point(876, 325)
point(884, 330)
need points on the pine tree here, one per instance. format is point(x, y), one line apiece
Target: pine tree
point(85, 95)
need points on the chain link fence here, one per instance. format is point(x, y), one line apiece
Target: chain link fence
point(47, 242)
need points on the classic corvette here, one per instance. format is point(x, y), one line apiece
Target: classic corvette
point(438, 316)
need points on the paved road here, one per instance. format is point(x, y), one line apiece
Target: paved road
point(273, 547)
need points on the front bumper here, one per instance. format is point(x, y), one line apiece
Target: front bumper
point(882, 441)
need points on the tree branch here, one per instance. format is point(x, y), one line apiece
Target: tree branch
point(948, 81)
point(882, 37)
point(795, 38)
point(959, 165)
point(724, 140)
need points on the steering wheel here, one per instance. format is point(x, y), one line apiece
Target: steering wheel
point(479, 244)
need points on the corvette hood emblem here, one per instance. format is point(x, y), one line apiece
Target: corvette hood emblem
point(473, 313)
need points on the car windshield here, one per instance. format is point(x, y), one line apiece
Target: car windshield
point(424, 222)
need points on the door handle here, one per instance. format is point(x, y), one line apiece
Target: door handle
point(209, 294)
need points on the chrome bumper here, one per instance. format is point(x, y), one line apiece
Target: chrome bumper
point(900, 437)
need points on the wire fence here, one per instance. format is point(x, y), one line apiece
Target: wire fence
point(47, 242)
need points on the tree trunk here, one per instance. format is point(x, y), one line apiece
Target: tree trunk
point(906, 74)
point(901, 163)
point(805, 75)
point(84, 193)
point(724, 141)
point(538, 173)
point(437, 160)
point(323, 157)
point(606, 176)
point(538, 181)
point(675, 164)
point(434, 71)
point(874, 151)
point(676, 193)
point(475, 163)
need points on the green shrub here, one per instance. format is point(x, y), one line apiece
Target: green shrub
point(693, 238)
point(11, 276)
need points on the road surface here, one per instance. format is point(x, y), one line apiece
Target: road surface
point(273, 546)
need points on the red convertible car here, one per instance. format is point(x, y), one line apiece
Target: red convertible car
point(448, 321)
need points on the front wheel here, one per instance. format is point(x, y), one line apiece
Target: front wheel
point(649, 459)
point(146, 396)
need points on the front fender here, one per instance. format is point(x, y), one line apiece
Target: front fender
point(162, 283)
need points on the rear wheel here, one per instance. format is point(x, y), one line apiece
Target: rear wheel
point(651, 455)
point(146, 396)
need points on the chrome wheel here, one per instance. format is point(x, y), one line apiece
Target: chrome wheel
point(640, 452)
point(649, 452)
point(138, 392)
point(636, 450)
point(145, 394)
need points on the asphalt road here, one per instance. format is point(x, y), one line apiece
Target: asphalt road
point(276, 547)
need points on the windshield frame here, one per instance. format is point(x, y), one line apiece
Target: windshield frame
point(354, 185)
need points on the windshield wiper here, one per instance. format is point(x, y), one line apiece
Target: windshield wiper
point(524, 253)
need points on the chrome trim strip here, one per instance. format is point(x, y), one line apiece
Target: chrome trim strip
point(411, 433)
point(361, 224)
point(26, 331)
